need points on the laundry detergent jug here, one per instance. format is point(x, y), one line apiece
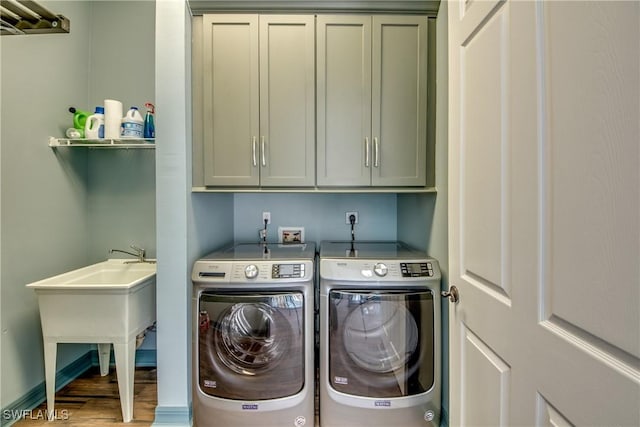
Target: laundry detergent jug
point(94, 126)
point(132, 124)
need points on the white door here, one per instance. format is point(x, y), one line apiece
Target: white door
point(544, 213)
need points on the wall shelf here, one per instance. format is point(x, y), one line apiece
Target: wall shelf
point(102, 143)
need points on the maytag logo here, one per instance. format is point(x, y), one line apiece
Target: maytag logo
point(249, 406)
point(386, 403)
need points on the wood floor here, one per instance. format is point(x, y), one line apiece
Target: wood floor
point(92, 401)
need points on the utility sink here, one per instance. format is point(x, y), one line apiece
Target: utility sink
point(110, 274)
point(110, 302)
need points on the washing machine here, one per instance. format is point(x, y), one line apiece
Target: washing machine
point(379, 335)
point(253, 336)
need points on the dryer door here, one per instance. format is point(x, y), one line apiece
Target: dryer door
point(251, 346)
point(381, 343)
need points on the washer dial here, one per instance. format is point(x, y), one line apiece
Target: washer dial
point(380, 269)
point(251, 271)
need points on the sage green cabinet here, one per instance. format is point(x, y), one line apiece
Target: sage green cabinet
point(371, 100)
point(258, 100)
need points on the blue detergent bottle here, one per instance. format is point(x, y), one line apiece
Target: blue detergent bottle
point(149, 125)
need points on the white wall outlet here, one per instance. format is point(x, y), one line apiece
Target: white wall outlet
point(288, 235)
point(348, 214)
point(267, 216)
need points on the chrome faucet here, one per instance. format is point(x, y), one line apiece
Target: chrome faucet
point(139, 253)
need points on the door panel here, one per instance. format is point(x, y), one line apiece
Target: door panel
point(486, 373)
point(548, 93)
point(549, 416)
point(230, 99)
point(597, 150)
point(399, 101)
point(344, 100)
point(484, 152)
point(287, 113)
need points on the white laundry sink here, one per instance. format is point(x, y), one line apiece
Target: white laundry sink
point(110, 302)
point(112, 274)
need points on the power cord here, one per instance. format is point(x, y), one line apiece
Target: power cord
point(352, 221)
point(264, 231)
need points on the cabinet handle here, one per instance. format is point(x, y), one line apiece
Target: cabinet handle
point(366, 151)
point(253, 148)
point(376, 152)
point(264, 155)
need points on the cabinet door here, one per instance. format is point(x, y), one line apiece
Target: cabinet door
point(287, 101)
point(231, 103)
point(399, 101)
point(344, 100)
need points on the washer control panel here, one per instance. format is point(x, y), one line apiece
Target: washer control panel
point(416, 269)
point(252, 271)
point(287, 271)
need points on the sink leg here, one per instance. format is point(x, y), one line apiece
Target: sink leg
point(125, 368)
point(50, 353)
point(104, 357)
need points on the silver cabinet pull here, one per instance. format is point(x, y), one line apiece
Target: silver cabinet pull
point(376, 152)
point(264, 154)
point(366, 151)
point(452, 294)
point(253, 150)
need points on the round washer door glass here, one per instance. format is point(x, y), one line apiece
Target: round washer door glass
point(381, 343)
point(251, 347)
point(253, 337)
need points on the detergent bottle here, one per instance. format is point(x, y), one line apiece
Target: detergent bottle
point(149, 125)
point(132, 124)
point(94, 126)
point(79, 119)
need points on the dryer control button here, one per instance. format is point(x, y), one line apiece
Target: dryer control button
point(380, 269)
point(251, 271)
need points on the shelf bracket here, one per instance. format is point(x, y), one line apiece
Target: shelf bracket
point(28, 17)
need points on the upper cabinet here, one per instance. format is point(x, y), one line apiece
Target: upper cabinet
point(322, 102)
point(372, 100)
point(258, 100)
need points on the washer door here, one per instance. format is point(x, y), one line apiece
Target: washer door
point(251, 346)
point(381, 343)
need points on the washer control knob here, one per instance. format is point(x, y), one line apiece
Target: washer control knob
point(251, 271)
point(380, 269)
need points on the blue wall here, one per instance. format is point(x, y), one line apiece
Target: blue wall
point(322, 215)
point(66, 207)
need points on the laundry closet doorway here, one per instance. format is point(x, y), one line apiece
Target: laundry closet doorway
point(544, 213)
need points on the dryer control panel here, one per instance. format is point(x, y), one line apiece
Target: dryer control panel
point(382, 270)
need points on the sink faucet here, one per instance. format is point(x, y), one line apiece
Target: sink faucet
point(139, 253)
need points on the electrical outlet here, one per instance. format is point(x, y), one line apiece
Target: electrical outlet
point(267, 216)
point(348, 214)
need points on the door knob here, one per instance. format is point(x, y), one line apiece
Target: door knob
point(452, 294)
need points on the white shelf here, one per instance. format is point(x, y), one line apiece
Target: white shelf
point(102, 143)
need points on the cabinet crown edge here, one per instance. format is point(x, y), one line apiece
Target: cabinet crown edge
point(429, 7)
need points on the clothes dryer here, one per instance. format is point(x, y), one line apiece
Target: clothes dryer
point(253, 336)
point(379, 335)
